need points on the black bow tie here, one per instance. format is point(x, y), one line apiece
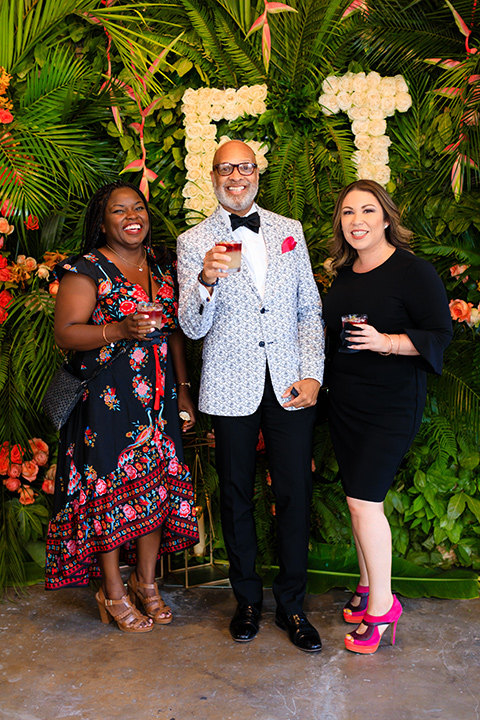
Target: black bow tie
point(250, 221)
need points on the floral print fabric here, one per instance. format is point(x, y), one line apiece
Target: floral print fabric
point(119, 475)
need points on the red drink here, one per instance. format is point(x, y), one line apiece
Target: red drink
point(154, 312)
point(234, 250)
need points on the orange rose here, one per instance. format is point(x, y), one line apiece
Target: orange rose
point(48, 486)
point(5, 273)
point(12, 483)
point(5, 227)
point(38, 444)
point(460, 310)
point(21, 259)
point(27, 495)
point(32, 222)
point(40, 458)
point(51, 472)
point(5, 116)
point(15, 470)
point(456, 270)
point(53, 288)
point(29, 470)
point(16, 454)
point(30, 264)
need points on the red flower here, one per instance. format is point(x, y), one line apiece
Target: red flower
point(5, 274)
point(11, 483)
point(5, 299)
point(32, 222)
point(129, 512)
point(5, 116)
point(288, 244)
point(16, 454)
point(131, 472)
point(184, 510)
point(127, 307)
point(53, 287)
point(460, 310)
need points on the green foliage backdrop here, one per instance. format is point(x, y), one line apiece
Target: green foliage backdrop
point(96, 88)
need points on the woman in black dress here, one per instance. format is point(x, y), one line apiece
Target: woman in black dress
point(377, 378)
point(121, 490)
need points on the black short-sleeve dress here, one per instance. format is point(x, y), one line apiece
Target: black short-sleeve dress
point(120, 471)
point(376, 402)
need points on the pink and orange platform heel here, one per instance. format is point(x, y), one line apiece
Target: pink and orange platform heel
point(354, 613)
point(368, 642)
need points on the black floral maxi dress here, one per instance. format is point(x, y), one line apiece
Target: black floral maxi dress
point(120, 473)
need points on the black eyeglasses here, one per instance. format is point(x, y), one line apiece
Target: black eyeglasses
point(245, 168)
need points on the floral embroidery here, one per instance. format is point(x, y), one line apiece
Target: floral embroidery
point(73, 478)
point(138, 358)
point(142, 389)
point(90, 437)
point(110, 398)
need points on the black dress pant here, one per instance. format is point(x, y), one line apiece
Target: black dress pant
point(288, 442)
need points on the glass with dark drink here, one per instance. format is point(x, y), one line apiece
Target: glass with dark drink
point(347, 324)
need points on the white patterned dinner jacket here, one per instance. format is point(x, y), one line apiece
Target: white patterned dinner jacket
point(243, 331)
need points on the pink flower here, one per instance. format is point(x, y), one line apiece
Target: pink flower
point(460, 310)
point(98, 527)
point(101, 487)
point(15, 470)
point(288, 244)
point(11, 483)
point(29, 470)
point(27, 496)
point(131, 472)
point(71, 546)
point(41, 458)
point(162, 492)
point(173, 466)
point(82, 498)
point(184, 510)
point(129, 512)
point(2, 241)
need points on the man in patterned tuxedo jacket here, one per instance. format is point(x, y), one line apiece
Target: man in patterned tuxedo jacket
point(262, 368)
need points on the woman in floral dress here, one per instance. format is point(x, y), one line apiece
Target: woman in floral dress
point(122, 491)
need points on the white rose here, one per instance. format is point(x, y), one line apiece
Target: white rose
point(379, 143)
point(258, 92)
point(373, 98)
point(216, 113)
point(359, 99)
point(331, 85)
point(388, 86)
point(381, 174)
point(194, 130)
point(194, 145)
point(362, 141)
point(257, 107)
point(190, 117)
point(377, 127)
point(223, 140)
point(379, 156)
point(216, 97)
point(204, 95)
point(344, 101)
point(194, 175)
point(360, 157)
point(204, 115)
point(474, 317)
point(403, 101)
point(360, 82)
point(373, 79)
point(192, 162)
point(329, 104)
point(376, 113)
point(229, 95)
point(191, 190)
point(230, 111)
point(400, 84)
point(189, 96)
point(209, 147)
point(360, 126)
point(346, 83)
point(365, 171)
point(358, 113)
point(388, 105)
point(243, 93)
point(210, 202)
point(205, 187)
point(208, 132)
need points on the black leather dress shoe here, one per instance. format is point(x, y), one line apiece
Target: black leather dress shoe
point(302, 633)
point(244, 624)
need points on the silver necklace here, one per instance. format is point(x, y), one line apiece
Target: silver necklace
point(129, 261)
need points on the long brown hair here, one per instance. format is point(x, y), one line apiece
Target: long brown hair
point(341, 252)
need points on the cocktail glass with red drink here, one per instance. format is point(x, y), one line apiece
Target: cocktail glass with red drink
point(348, 323)
point(154, 311)
point(234, 250)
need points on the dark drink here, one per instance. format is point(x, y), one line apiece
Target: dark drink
point(348, 324)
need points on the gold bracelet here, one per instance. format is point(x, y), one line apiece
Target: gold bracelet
point(104, 334)
point(398, 344)
point(185, 383)
point(391, 345)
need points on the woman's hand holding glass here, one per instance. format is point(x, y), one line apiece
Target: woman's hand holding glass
point(364, 337)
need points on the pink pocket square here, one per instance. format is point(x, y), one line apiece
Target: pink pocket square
point(288, 244)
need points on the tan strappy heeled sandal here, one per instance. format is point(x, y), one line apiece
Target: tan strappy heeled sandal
point(152, 604)
point(123, 612)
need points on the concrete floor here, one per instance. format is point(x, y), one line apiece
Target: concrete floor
point(57, 661)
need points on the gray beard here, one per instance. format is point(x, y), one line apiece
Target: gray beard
point(239, 204)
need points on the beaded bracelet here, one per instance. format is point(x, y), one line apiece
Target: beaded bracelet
point(201, 280)
point(391, 346)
